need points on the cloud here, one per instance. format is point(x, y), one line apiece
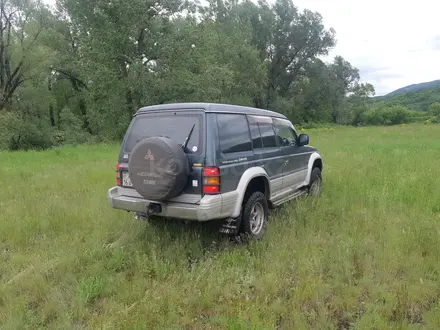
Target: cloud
point(435, 42)
point(372, 74)
point(393, 43)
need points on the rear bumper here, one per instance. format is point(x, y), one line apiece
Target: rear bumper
point(208, 208)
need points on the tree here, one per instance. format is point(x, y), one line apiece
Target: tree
point(288, 41)
point(297, 38)
point(20, 27)
point(434, 109)
point(360, 101)
point(83, 70)
point(346, 80)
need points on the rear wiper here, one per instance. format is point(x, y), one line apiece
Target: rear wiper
point(185, 144)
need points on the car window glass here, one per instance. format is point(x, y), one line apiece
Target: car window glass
point(265, 128)
point(169, 124)
point(267, 135)
point(286, 135)
point(233, 133)
point(257, 142)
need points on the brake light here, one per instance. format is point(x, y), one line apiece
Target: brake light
point(211, 180)
point(118, 175)
point(211, 190)
point(210, 171)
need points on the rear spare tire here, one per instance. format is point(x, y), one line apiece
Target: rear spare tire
point(158, 168)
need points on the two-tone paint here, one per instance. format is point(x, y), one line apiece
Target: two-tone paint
point(286, 170)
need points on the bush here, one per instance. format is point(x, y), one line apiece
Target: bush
point(20, 133)
point(433, 120)
point(17, 133)
point(434, 109)
point(387, 116)
point(70, 131)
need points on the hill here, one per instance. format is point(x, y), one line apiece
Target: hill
point(419, 100)
point(416, 87)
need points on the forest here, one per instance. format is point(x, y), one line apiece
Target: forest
point(78, 71)
point(419, 100)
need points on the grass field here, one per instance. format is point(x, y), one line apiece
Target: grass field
point(366, 255)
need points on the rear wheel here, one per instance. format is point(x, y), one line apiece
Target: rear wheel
point(315, 187)
point(254, 215)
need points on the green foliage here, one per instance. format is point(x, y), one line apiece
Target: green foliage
point(80, 73)
point(70, 130)
point(21, 133)
point(434, 109)
point(89, 289)
point(359, 102)
point(416, 87)
point(386, 116)
point(433, 120)
point(415, 100)
point(434, 114)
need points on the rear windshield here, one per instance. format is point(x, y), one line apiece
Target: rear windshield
point(175, 125)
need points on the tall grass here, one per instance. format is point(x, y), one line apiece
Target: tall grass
point(365, 255)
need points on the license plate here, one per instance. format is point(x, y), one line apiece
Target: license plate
point(126, 181)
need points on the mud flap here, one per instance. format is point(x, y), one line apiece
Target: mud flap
point(230, 226)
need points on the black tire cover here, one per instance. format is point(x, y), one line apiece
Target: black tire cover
point(158, 168)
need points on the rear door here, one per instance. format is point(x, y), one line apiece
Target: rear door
point(175, 125)
point(234, 149)
point(246, 141)
point(296, 157)
point(267, 153)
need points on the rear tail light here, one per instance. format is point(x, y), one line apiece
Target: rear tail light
point(210, 171)
point(211, 181)
point(118, 175)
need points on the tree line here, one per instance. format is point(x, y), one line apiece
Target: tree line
point(79, 71)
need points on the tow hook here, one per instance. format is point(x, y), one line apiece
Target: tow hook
point(152, 209)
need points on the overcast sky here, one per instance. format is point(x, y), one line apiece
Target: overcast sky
point(393, 43)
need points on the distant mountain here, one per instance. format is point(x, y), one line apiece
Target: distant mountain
point(416, 87)
point(415, 97)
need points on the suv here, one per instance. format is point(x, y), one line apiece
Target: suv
point(203, 162)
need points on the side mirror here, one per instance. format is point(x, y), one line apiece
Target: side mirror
point(303, 140)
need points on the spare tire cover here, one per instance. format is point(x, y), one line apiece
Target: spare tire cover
point(158, 168)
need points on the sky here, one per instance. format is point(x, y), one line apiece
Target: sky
point(393, 43)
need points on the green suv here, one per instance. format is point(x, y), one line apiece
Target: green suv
point(213, 162)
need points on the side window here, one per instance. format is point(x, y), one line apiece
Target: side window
point(233, 133)
point(285, 133)
point(268, 135)
point(286, 136)
point(257, 142)
point(262, 126)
